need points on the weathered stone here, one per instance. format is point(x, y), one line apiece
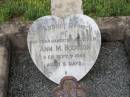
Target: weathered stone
point(59, 47)
point(127, 46)
point(127, 34)
point(127, 37)
point(112, 28)
point(69, 85)
point(19, 39)
point(17, 33)
point(63, 8)
point(128, 20)
point(4, 65)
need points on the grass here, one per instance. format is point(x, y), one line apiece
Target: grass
point(26, 9)
point(33, 9)
point(107, 7)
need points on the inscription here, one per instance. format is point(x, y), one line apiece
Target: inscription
point(64, 47)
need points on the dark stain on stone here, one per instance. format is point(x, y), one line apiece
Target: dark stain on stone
point(70, 37)
point(55, 62)
point(78, 39)
point(65, 72)
point(56, 65)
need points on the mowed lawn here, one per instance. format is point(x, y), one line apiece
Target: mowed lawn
point(33, 9)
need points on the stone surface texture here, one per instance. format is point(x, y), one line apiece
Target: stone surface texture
point(113, 28)
point(110, 76)
point(127, 38)
point(128, 27)
point(4, 65)
point(28, 81)
point(111, 31)
point(16, 32)
point(63, 8)
point(64, 47)
point(127, 46)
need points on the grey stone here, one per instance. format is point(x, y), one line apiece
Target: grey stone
point(127, 38)
point(112, 28)
point(4, 64)
point(108, 78)
point(127, 34)
point(17, 32)
point(63, 8)
point(127, 46)
point(60, 47)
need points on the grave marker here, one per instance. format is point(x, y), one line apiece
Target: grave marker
point(65, 46)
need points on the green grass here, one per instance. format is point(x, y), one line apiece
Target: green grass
point(107, 7)
point(26, 9)
point(33, 9)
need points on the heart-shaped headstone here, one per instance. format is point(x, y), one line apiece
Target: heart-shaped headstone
point(64, 47)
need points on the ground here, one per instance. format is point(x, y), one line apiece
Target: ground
point(108, 78)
